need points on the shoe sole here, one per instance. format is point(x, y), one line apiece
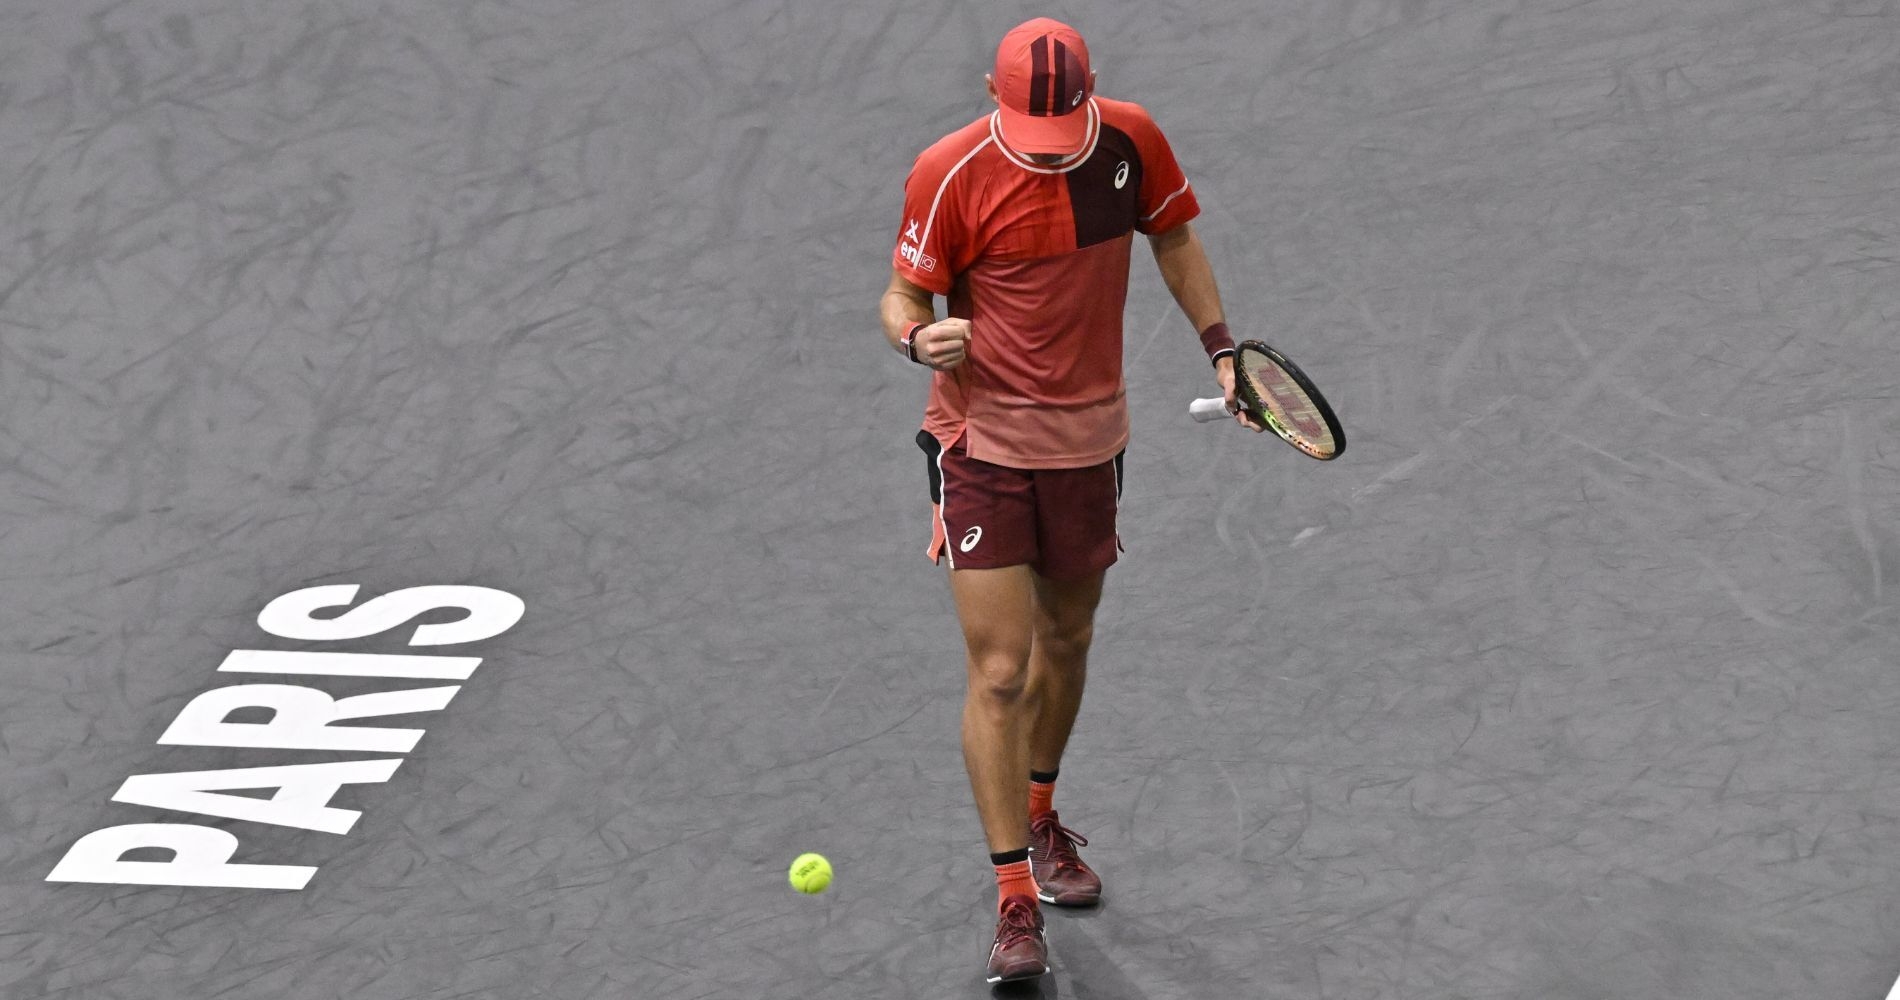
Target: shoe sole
point(1018, 977)
point(1095, 900)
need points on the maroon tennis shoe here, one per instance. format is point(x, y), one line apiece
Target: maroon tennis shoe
point(1062, 877)
point(1021, 950)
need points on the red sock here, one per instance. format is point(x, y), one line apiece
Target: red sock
point(1013, 878)
point(1042, 796)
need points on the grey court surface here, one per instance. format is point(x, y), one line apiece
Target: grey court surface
point(1577, 677)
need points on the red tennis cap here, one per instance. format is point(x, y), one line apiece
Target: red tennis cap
point(1043, 83)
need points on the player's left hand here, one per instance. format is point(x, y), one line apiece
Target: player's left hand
point(1224, 374)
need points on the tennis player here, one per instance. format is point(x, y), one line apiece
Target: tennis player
point(1024, 220)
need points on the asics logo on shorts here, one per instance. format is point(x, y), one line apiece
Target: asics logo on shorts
point(970, 538)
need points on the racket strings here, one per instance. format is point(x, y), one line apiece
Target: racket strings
point(1286, 402)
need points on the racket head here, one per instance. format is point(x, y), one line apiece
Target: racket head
point(1279, 395)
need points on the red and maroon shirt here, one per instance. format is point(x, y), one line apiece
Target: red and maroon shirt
point(1036, 257)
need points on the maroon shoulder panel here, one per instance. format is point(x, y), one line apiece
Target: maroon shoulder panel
point(1105, 191)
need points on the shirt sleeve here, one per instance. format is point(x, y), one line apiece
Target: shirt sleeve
point(930, 240)
point(1167, 199)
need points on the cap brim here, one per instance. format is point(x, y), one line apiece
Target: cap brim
point(1062, 134)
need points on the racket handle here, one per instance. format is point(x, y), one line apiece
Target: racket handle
point(1209, 409)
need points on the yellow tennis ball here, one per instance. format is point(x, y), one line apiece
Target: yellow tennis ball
point(811, 873)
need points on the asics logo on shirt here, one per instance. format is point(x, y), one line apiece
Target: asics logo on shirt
point(970, 538)
point(1121, 175)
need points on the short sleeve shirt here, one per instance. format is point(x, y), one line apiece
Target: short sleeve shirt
point(1036, 258)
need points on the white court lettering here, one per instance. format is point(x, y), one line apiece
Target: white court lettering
point(300, 718)
point(490, 613)
point(303, 794)
point(201, 857)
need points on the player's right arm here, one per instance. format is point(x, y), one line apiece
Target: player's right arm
point(933, 244)
point(906, 307)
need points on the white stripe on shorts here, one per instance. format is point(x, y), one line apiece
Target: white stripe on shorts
point(943, 504)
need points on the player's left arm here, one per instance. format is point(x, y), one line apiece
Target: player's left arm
point(1184, 266)
point(1190, 279)
point(1167, 205)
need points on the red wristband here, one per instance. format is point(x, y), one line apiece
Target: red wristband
point(1217, 341)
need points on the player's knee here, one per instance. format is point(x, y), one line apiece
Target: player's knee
point(1067, 646)
point(1001, 679)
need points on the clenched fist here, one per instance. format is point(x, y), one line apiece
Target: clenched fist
point(943, 345)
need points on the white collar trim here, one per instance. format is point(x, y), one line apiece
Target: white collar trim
point(1021, 160)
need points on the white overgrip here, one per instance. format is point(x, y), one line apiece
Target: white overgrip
point(1209, 409)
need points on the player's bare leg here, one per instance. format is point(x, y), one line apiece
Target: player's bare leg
point(996, 607)
point(1064, 627)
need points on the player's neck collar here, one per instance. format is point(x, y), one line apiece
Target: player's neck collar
point(1022, 159)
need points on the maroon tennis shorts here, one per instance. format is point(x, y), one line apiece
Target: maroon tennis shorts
point(1059, 522)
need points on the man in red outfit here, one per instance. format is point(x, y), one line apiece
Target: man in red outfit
point(1024, 220)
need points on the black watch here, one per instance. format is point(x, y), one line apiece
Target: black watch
point(910, 341)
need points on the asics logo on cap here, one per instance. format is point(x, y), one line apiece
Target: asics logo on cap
point(1043, 85)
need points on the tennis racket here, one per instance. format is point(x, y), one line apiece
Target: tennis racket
point(1277, 394)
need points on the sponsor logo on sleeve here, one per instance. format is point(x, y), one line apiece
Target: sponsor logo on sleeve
point(911, 250)
point(916, 257)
